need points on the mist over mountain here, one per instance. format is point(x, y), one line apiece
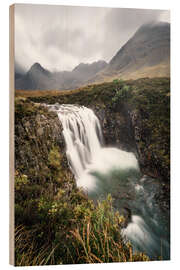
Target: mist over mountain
point(146, 54)
point(19, 71)
point(39, 78)
point(148, 47)
point(36, 78)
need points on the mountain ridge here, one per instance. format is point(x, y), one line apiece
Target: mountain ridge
point(39, 78)
point(145, 54)
point(148, 49)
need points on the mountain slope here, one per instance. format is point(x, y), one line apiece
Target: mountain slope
point(38, 78)
point(147, 53)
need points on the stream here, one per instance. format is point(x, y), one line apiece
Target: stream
point(101, 170)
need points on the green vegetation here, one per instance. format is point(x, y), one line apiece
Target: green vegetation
point(154, 110)
point(57, 224)
point(122, 93)
point(148, 98)
point(55, 221)
point(99, 240)
point(101, 93)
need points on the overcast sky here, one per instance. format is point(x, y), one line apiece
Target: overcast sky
point(61, 37)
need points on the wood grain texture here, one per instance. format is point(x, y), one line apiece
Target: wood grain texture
point(11, 134)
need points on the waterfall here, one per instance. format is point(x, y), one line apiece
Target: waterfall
point(101, 170)
point(85, 151)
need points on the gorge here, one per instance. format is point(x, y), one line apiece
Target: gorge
point(118, 146)
point(101, 170)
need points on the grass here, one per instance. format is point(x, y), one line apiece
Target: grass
point(55, 221)
point(95, 238)
point(99, 240)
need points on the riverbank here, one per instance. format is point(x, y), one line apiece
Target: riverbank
point(135, 116)
point(135, 119)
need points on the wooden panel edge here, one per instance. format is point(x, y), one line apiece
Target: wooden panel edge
point(11, 134)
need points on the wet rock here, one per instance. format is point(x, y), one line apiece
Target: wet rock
point(35, 135)
point(116, 127)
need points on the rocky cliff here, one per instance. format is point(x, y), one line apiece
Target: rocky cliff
point(49, 209)
point(138, 123)
point(37, 132)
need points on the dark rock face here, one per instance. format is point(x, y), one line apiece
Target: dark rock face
point(150, 163)
point(37, 133)
point(116, 127)
point(123, 128)
point(35, 136)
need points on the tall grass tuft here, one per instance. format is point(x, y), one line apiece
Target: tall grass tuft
point(94, 236)
point(99, 239)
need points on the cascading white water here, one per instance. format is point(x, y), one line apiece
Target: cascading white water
point(101, 170)
point(81, 129)
point(84, 146)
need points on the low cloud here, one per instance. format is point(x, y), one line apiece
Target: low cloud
point(60, 37)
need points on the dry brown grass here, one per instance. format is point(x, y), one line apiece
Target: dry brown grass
point(40, 93)
point(158, 71)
